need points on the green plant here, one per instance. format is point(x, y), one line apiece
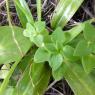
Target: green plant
point(39, 55)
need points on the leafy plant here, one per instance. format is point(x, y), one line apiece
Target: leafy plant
point(40, 55)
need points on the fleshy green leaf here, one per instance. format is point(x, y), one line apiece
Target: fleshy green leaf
point(68, 53)
point(41, 55)
point(92, 46)
point(59, 73)
point(89, 32)
point(50, 47)
point(38, 40)
point(55, 61)
point(57, 35)
point(88, 63)
point(75, 41)
point(82, 49)
point(69, 35)
point(40, 26)
point(29, 31)
point(36, 33)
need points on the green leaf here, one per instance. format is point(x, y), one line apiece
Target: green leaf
point(34, 80)
point(9, 90)
point(57, 35)
point(36, 33)
point(38, 40)
point(40, 26)
point(75, 41)
point(59, 73)
point(92, 46)
point(79, 81)
point(89, 32)
point(82, 49)
point(41, 75)
point(4, 85)
point(26, 61)
point(50, 47)
point(68, 53)
point(22, 66)
point(41, 55)
point(54, 47)
point(24, 9)
point(88, 63)
point(47, 38)
point(29, 31)
point(69, 35)
point(9, 50)
point(21, 16)
point(12, 49)
point(64, 12)
point(55, 61)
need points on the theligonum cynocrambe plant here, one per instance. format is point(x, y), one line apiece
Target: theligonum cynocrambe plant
point(68, 54)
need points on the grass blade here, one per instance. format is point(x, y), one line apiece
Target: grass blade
point(64, 12)
point(23, 11)
point(34, 80)
point(79, 81)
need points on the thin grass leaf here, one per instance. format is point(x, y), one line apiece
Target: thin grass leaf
point(23, 8)
point(34, 80)
point(71, 34)
point(80, 82)
point(21, 16)
point(64, 12)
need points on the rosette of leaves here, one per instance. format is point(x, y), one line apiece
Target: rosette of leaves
point(54, 49)
point(49, 49)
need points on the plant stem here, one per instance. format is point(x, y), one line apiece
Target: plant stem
point(8, 13)
point(39, 9)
